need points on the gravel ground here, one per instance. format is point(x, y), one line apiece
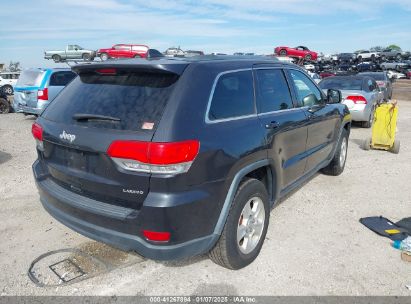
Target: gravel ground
point(315, 244)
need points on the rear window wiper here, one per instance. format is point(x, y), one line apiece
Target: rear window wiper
point(80, 117)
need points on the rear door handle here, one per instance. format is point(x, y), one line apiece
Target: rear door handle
point(272, 125)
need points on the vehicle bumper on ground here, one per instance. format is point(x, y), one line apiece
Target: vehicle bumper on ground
point(359, 112)
point(108, 224)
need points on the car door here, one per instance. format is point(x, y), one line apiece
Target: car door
point(71, 52)
point(323, 120)
point(283, 122)
point(300, 51)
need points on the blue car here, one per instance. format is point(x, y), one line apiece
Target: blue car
point(37, 87)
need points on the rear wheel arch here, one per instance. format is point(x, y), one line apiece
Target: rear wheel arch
point(263, 169)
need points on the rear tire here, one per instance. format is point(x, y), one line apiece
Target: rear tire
point(308, 57)
point(395, 147)
point(337, 164)
point(8, 89)
point(86, 57)
point(398, 57)
point(56, 58)
point(368, 124)
point(104, 56)
point(246, 227)
point(283, 53)
point(4, 106)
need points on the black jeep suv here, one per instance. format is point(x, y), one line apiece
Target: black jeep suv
point(178, 157)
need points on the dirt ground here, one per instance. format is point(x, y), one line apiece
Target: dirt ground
point(315, 244)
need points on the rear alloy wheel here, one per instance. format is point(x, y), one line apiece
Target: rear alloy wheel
point(246, 227)
point(7, 89)
point(308, 57)
point(104, 56)
point(398, 57)
point(4, 106)
point(283, 53)
point(56, 58)
point(337, 164)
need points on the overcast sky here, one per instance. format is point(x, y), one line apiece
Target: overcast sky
point(30, 27)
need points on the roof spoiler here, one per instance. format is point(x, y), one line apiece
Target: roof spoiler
point(171, 68)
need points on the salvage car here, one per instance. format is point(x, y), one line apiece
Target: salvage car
point(383, 82)
point(71, 52)
point(37, 87)
point(128, 153)
point(8, 80)
point(394, 65)
point(361, 95)
point(346, 57)
point(299, 51)
point(367, 55)
point(123, 51)
point(4, 103)
point(391, 54)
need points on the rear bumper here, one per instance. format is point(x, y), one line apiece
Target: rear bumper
point(121, 227)
point(130, 242)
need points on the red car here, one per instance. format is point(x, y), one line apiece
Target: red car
point(124, 51)
point(299, 51)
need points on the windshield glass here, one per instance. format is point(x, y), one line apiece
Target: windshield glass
point(30, 78)
point(136, 99)
point(341, 83)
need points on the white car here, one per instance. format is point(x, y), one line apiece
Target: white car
point(8, 80)
point(285, 59)
point(395, 75)
point(309, 67)
point(367, 55)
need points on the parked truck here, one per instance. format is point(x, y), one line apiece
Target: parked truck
point(72, 51)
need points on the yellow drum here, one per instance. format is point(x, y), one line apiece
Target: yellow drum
point(383, 129)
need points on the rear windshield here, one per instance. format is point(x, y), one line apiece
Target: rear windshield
point(30, 78)
point(136, 99)
point(376, 76)
point(341, 83)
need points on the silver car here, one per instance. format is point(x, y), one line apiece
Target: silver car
point(383, 82)
point(37, 87)
point(360, 94)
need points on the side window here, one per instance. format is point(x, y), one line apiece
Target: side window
point(61, 78)
point(233, 96)
point(273, 93)
point(70, 48)
point(370, 85)
point(307, 93)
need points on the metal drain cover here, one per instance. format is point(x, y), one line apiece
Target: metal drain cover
point(67, 266)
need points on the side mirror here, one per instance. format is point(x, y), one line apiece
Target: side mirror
point(333, 96)
point(310, 100)
point(76, 49)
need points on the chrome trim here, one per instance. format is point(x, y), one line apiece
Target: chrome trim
point(207, 120)
point(280, 111)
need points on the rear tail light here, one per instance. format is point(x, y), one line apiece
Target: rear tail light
point(154, 157)
point(381, 83)
point(157, 236)
point(43, 94)
point(37, 132)
point(357, 99)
